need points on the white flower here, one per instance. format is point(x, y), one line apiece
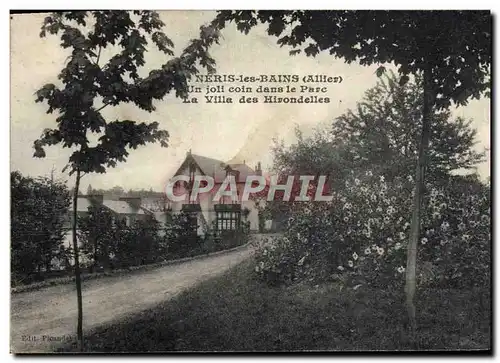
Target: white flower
point(442, 243)
point(466, 237)
point(401, 269)
point(346, 219)
point(397, 246)
point(369, 173)
point(382, 178)
point(354, 256)
point(374, 247)
point(430, 231)
point(402, 235)
point(389, 240)
point(340, 268)
point(461, 226)
point(410, 178)
point(445, 225)
point(350, 263)
point(367, 251)
point(347, 206)
point(356, 181)
point(380, 251)
point(424, 240)
point(301, 261)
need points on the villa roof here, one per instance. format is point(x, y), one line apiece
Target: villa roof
point(217, 168)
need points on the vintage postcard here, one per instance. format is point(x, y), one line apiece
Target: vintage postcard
point(250, 181)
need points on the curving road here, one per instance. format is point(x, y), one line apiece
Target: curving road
point(41, 319)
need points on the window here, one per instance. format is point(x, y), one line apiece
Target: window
point(228, 221)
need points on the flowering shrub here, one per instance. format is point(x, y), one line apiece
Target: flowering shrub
point(363, 233)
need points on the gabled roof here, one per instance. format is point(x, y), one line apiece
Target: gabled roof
point(217, 168)
point(116, 206)
point(122, 207)
point(244, 170)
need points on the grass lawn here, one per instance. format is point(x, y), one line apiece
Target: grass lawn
point(235, 312)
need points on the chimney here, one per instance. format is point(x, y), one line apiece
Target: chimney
point(258, 169)
point(96, 198)
point(135, 202)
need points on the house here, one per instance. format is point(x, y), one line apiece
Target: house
point(128, 209)
point(210, 214)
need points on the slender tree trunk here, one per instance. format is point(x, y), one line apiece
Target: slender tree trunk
point(96, 257)
point(79, 329)
point(411, 263)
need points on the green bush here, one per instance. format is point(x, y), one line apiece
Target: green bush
point(362, 234)
point(181, 238)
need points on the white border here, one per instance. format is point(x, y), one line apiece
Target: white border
point(187, 4)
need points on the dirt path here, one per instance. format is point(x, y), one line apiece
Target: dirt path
point(41, 319)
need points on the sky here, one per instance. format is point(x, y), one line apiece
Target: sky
point(229, 132)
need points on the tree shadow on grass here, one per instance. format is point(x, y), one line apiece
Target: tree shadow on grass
point(235, 312)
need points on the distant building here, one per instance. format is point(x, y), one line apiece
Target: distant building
point(207, 215)
point(224, 214)
point(127, 209)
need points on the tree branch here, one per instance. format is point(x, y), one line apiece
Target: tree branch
point(100, 108)
point(98, 55)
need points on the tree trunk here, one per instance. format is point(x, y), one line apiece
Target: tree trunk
point(48, 264)
point(96, 256)
point(411, 262)
point(79, 329)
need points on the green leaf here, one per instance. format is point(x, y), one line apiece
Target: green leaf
point(380, 71)
point(404, 80)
